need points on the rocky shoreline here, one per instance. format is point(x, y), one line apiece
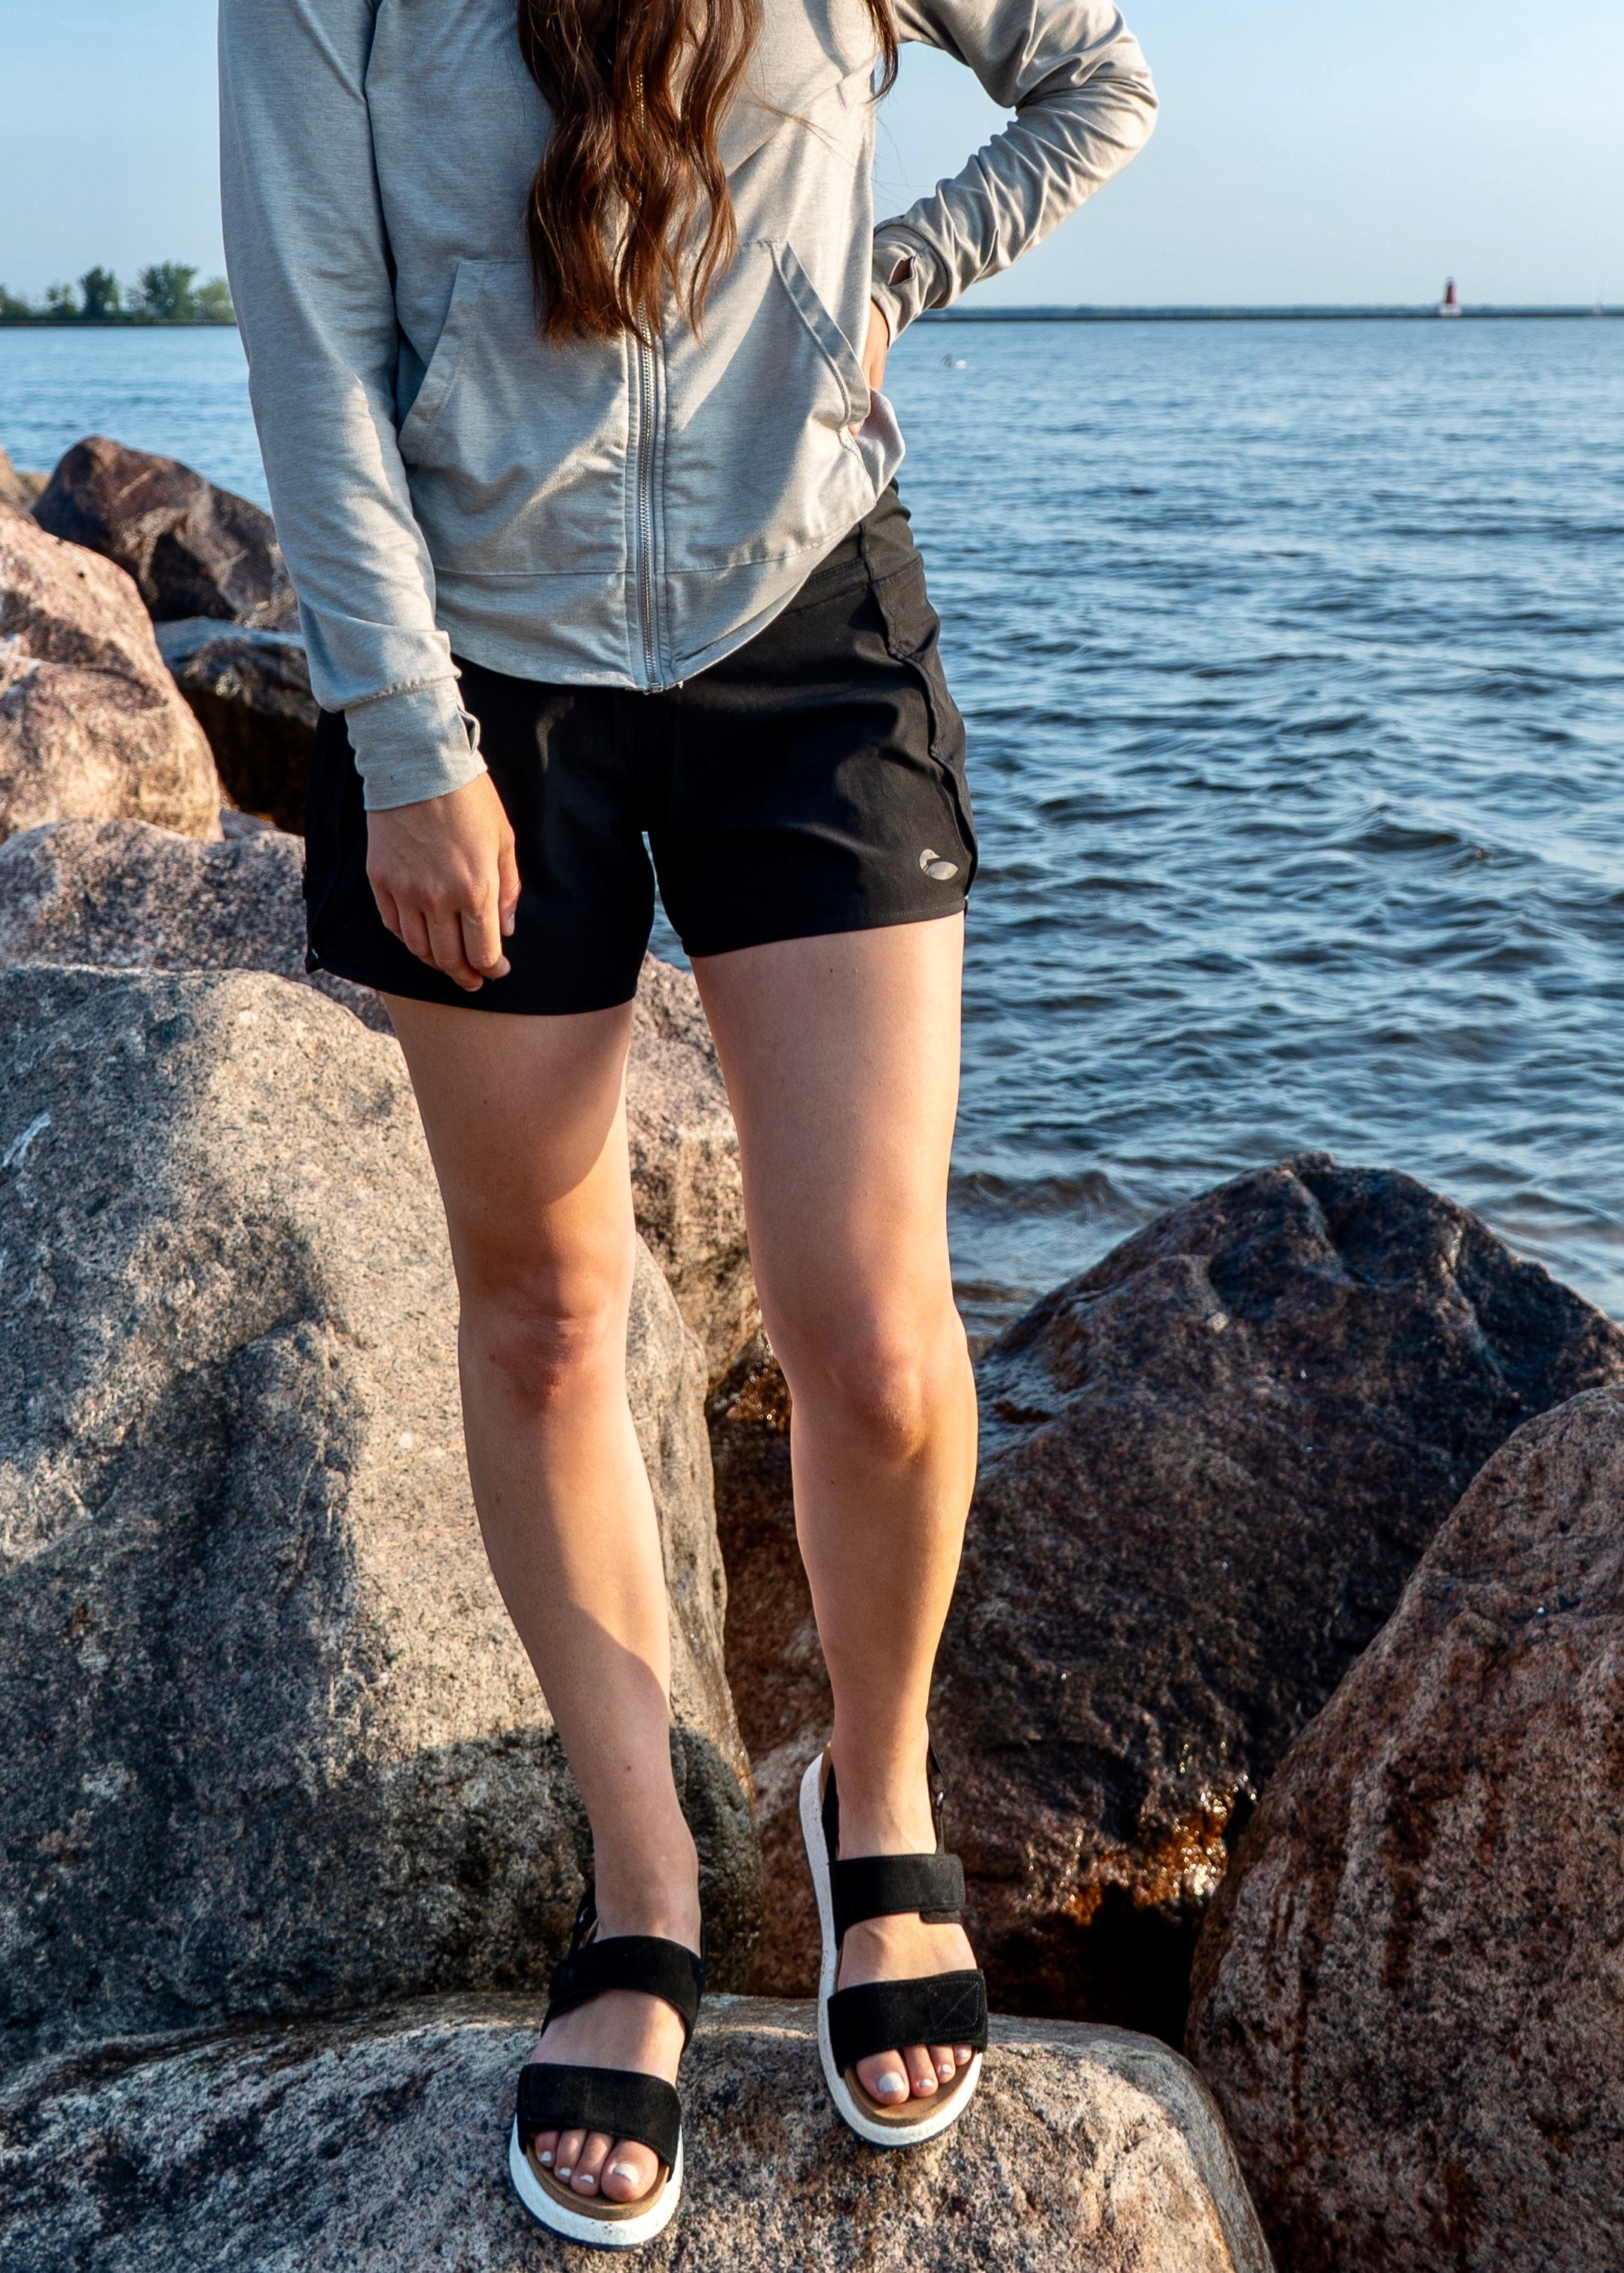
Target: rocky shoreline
point(1282, 1682)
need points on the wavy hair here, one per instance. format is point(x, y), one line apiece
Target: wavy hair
point(630, 209)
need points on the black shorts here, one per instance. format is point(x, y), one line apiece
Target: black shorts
point(812, 781)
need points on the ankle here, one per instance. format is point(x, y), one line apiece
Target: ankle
point(648, 1894)
point(885, 1799)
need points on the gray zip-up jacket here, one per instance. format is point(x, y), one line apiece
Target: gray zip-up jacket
point(598, 513)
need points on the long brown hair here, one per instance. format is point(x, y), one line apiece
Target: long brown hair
point(637, 89)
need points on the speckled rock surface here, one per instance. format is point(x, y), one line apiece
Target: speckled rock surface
point(121, 894)
point(250, 692)
point(1409, 1993)
point(383, 2143)
point(1208, 1465)
point(17, 488)
point(267, 1741)
point(192, 549)
point(124, 894)
point(685, 1163)
point(90, 722)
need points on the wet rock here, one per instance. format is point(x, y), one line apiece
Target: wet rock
point(119, 893)
point(1208, 1465)
point(193, 549)
point(383, 2141)
point(90, 722)
point(19, 488)
point(775, 1662)
point(685, 1163)
point(250, 692)
point(268, 1744)
point(1407, 1994)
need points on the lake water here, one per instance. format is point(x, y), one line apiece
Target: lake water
point(1293, 660)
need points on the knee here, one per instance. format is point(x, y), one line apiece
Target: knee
point(546, 1333)
point(884, 1382)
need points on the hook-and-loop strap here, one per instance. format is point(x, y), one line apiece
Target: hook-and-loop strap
point(891, 1886)
point(883, 2016)
point(614, 2100)
point(641, 1962)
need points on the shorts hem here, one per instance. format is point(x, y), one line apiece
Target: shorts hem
point(824, 927)
point(514, 1003)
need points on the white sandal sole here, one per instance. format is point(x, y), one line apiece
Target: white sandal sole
point(876, 2130)
point(597, 2232)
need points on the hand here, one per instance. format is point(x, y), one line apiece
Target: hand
point(446, 881)
point(876, 346)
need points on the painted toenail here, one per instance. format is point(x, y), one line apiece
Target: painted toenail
point(563, 2170)
point(889, 2087)
point(546, 2161)
point(621, 2171)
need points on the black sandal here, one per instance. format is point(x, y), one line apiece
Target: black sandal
point(622, 2102)
point(883, 2016)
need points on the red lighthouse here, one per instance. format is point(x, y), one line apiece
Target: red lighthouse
point(1450, 304)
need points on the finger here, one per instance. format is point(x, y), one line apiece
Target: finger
point(482, 943)
point(941, 2061)
point(589, 2162)
point(570, 2146)
point(921, 2075)
point(447, 955)
point(415, 932)
point(507, 886)
point(387, 909)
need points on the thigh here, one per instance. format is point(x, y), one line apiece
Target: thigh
point(841, 1059)
point(526, 1123)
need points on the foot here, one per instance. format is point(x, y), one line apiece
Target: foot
point(620, 2028)
point(901, 1950)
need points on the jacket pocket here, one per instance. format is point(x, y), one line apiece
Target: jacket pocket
point(516, 449)
point(758, 463)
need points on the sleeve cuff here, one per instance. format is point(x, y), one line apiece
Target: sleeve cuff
point(416, 744)
point(898, 285)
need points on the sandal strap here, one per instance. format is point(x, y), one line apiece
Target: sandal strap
point(615, 2100)
point(629, 1960)
point(883, 2016)
point(891, 1885)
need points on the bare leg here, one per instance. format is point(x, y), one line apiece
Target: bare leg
point(841, 1057)
point(526, 1121)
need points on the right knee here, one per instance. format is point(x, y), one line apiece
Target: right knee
point(546, 1335)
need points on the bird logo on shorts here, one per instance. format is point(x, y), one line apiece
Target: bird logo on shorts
point(934, 865)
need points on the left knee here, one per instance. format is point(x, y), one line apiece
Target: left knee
point(884, 1382)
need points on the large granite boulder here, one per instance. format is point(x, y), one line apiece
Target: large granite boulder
point(121, 894)
point(250, 692)
point(90, 722)
point(192, 549)
point(1407, 1995)
point(267, 1741)
point(1208, 1467)
point(382, 2142)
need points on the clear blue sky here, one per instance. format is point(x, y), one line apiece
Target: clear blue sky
point(1306, 151)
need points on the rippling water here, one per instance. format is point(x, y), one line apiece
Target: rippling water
point(1294, 668)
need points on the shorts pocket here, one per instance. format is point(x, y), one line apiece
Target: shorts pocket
point(913, 637)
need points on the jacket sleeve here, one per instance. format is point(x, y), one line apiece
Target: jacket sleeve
point(309, 262)
point(1084, 104)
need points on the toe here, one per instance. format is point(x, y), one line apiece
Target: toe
point(884, 2078)
point(569, 2151)
point(922, 2071)
point(963, 2054)
point(942, 2059)
point(631, 2172)
point(545, 2147)
point(589, 2162)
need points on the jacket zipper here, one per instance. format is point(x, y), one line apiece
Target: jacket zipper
point(645, 509)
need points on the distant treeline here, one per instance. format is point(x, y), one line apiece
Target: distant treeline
point(167, 293)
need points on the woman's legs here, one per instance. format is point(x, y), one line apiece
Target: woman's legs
point(841, 1057)
point(526, 1122)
